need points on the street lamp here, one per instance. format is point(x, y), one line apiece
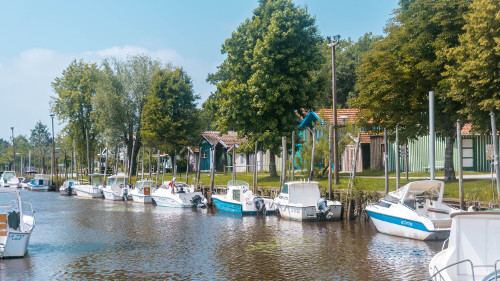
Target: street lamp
point(13, 149)
point(53, 150)
point(333, 44)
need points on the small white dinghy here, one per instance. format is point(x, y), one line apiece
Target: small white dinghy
point(17, 220)
point(239, 199)
point(301, 201)
point(414, 211)
point(178, 194)
point(141, 193)
point(473, 251)
point(92, 189)
point(117, 188)
point(67, 188)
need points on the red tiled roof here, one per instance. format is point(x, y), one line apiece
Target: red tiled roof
point(213, 137)
point(347, 114)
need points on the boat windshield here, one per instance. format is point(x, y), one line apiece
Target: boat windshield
point(143, 183)
point(427, 189)
point(238, 183)
point(285, 188)
point(117, 180)
point(8, 175)
point(97, 180)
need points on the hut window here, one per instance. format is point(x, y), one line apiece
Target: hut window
point(203, 154)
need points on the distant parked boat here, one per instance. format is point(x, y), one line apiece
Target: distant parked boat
point(117, 188)
point(67, 188)
point(141, 193)
point(239, 199)
point(40, 182)
point(414, 211)
point(9, 179)
point(473, 251)
point(92, 189)
point(177, 194)
point(301, 201)
point(17, 221)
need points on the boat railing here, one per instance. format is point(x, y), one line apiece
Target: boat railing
point(437, 272)
point(445, 243)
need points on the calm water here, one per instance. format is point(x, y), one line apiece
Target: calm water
point(94, 239)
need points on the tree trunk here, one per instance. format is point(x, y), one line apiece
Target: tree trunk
point(272, 165)
point(449, 170)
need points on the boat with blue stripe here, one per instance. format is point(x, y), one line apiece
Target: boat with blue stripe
point(414, 211)
point(239, 199)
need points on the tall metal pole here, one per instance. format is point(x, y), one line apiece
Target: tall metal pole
point(334, 98)
point(460, 167)
point(495, 151)
point(397, 157)
point(431, 136)
point(386, 163)
point(13, 149)
point(53, 150)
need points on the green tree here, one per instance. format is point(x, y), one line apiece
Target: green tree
point(121, 94)
point(73, 104)
point(40, 139)
point(5, 159)
point(267, 76)
point(474, 79)
point(170, 116)
point(397, 74)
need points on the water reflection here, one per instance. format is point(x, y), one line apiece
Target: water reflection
point(97, 239)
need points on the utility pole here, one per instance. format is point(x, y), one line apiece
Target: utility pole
point(333, 44)
point(460, 166)
point(495, 151)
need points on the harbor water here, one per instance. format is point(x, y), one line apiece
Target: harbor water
point(88, 239)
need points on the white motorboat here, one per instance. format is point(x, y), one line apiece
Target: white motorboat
point(92, 189)
point(473, 251)
point(67, 188)
point(301, 201)
point(17, 221)
point(40, 182)
point(9, 179)
point(414, 211)
point(117, 188)
point(177, 194)
point(239, 199)
point(141, 193)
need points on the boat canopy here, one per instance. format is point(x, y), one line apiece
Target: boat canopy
point(121, 179)
point(243, 184)
point(144, 183)
point(429, 188)
point(305, 193)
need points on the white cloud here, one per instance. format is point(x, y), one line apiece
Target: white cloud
point(25, 81)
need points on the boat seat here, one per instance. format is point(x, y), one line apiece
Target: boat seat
point(3, 225)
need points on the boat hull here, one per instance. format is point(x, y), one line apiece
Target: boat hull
point(16, 244)
point(307, 213)
point(397, 226)
point(164, 201)
point(109, 195)
point(236, 208)
point(39, 187)
point(90, 193)
point(139, 198)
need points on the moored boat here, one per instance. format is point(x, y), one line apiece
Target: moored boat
point(301, 201)
point(9, 179)
point(414, 211)
point(17, 221)
point(141, 193)
point(177, 194)
point(40, 182)
point(92, 189)
point(116, 188)
point(239, 199)
point(67, 188)
point(473, 251)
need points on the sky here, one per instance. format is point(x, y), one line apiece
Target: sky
point(39, 39)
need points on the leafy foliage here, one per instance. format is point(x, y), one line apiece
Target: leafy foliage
point(40, 138)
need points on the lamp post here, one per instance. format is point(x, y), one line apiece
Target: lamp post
point(333, 44)
point(53, 150)
point(13, 149)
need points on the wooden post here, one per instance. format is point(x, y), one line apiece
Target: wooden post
point(198, 164)
point(397, 157)
point(284, 156)
point(407, 162)
point(212, 174)
point(460, 166)
point(234, 162)
point(292, 157)
point(255, 169)
point(330, 161)
point(312, 155)
point(88, 157)
point(495, 152)
point(150, 164)
point(187, 167)
point(386, 163)
point(158, 167)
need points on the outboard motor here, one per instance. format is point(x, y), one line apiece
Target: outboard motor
point(125, 193)
point(197, 201)
point(324, 212)
point(260, 206)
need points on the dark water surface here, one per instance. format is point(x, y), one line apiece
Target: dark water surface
point(85, 239)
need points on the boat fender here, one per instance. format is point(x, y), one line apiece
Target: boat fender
point(260, 206)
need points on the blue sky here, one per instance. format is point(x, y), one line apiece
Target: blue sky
point(38, 39)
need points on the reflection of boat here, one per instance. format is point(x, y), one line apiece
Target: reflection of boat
point(142, 191)
point(239, 199)
point(67, 188)
point(9, 179)
point(16, 224)
point(414, 211)
point(92, 189)
point(473, 251)
point(177, 194)
point(40, 182)
point(301, 200)
point(117, 188)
